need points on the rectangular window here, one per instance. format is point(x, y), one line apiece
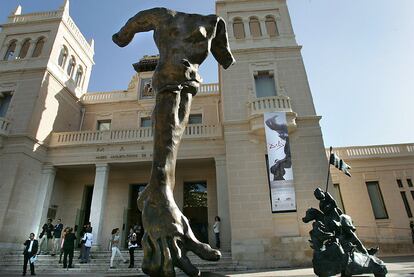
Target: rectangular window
point(195, 119)
point(265, 84)
point(406, 205)
point(146, 90)
point(410, 183)
point(412, 194)
point(399, 183)
point(338, 197)
point(377, 202)
point(146, 122)
point(104, 125)
point(5, 99)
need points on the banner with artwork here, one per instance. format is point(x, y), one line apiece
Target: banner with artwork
point(279, 163)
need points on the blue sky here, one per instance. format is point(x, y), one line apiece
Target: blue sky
point(357, 54)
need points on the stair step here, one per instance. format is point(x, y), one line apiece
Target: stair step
point(12, 260)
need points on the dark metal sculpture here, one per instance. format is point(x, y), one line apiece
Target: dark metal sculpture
point(336, 247)
point(184, 41)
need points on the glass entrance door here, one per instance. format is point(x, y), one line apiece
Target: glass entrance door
point(196, 208)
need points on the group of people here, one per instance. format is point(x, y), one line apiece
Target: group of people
point(64, 243)
point(134, 242)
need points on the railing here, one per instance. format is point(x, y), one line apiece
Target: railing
point(193, 131)
point(269, 104)
point(78, 34)
point(99, 97)
point(123, 95)
point(34, 16)
point(202, 131)
point(4, 126)
point(362, 152)
point(209, 89)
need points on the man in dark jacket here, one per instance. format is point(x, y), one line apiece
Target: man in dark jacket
point(46, 235)
point(68, 248)
point(30, 250)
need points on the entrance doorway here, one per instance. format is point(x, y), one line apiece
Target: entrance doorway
point(196, 208)
point(132, 216)
point(83, 214)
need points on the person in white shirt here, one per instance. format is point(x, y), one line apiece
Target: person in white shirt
point(115, 238)
point(88, 240)
point(216, 230)
point(30, 250)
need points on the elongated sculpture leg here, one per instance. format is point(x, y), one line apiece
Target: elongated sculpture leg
point(168, 236)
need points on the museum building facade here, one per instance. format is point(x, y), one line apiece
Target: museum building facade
point(85, 156)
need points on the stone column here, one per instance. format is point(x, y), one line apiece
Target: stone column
point(247, 32)
point(17, 50)
point(44, 196)
point(223, 202)
point(263, 28)
point(98, 202)
point(31, 49)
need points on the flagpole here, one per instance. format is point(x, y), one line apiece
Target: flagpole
point(329, 169)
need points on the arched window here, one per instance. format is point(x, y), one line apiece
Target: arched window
point(238, 28)
point(10, 51)
point(78, 77)
point(39, 47)
point(254, 25)
point(271, 26)
point(63, 56)
point(71, 66)
point(25, 49)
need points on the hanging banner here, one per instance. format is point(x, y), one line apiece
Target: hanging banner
point(279, 163)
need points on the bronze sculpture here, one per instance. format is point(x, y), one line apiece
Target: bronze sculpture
point(336, 247)
point(184, 41)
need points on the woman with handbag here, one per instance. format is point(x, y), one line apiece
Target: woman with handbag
point(115, 238)
point(132, 245)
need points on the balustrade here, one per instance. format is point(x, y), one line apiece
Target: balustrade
point(122, 95)
point(34, 16)
point(374, 151)
point(269, 104)
point(194, 131)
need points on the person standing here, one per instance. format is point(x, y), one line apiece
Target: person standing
point(57, 233)
point(88, 240)
point(216, 230)
point(30, 251)
point(132, 245)
point(82, 243)
point(115, 238)
point(62, 241)
point(46, 235)
point(68, 248)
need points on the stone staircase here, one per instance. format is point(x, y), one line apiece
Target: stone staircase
point(12, 261)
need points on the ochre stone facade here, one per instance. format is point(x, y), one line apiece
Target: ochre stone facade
point(78, 156)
